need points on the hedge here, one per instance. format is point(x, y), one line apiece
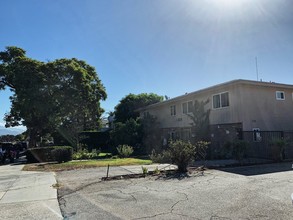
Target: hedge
point(48, 154)
point(95, 139)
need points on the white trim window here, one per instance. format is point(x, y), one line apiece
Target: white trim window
point(221, 100)
point(280, 95)
point(173, 110)
point(256, 135)
point(187, 107)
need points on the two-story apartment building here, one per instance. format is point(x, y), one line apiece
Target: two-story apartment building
point(235, 106)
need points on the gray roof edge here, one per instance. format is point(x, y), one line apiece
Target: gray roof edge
point(236, 81)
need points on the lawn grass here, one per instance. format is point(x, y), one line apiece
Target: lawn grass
point(104, 154)
point(71, 165)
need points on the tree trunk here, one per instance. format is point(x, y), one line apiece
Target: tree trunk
point(32, 138)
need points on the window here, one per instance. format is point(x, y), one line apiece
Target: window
point(280, 95)
point(225, 99)
point(190, 106)
point(173, 110)
point(256, 135)
point(221, 100)
point(216, 101)
point(184, 108)
point(187, 107)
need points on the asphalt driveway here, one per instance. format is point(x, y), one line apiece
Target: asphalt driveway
point(232, 193)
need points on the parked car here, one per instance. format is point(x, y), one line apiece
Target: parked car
point(8, 151)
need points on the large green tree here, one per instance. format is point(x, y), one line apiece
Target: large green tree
point(200, 117)
point(127, 133)
point(129, 128)
point(151, 134)
point(62, 95)
point(128, 105)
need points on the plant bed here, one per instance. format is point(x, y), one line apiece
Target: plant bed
point(139, 175)
point(166, 174)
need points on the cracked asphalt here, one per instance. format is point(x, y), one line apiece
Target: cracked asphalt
point(254, 192)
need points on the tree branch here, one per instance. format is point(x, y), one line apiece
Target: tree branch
point(2, 81)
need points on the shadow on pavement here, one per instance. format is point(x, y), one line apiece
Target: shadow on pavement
point(260, 169)
point(19, 161)
point(173, 175)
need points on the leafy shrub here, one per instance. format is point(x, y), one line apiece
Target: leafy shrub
point(157, 171)
point(226, 151)
point(181, 153)
point(85, 155)
point(163, 157)
point(278, 146)
point(127, 133)
point(144, 170)
point(46, 154)
point(90, 139)
point(124, 150)
point(39, 154)
point(239, 149)
point(62, 153)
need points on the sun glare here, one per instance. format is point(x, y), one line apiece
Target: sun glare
point(228, 3)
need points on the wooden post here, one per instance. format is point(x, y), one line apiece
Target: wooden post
point(108, 171)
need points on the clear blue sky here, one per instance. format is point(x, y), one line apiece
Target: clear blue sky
point(168, 47)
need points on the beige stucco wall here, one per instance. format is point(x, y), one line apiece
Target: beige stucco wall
point(163, 112)
point(254, 106)
point(217, 116)
point(261, 109)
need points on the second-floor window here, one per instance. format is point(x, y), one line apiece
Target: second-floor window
point(280, 95)
point(187, 107)
point(173, 110)
point(221, 100)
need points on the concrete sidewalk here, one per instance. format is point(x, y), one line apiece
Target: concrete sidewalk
point(27, 195)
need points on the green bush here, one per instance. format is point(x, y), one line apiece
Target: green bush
point(163, 157)
point(181, 153)
point(39, 154)
point(278, 146)
point(226, 151)
point(157, 171)
point(91, 139)
point(124, 150)
point(145, 170)
point(239, 149)
point(47, 154)
point(62, 153)
point(85, 155)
